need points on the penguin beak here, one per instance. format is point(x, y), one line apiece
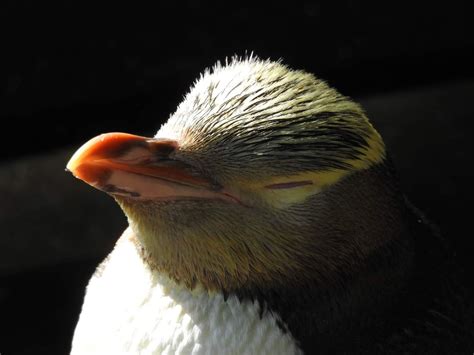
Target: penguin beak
point(140, 168)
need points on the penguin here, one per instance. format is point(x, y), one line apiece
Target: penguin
point(265, 217)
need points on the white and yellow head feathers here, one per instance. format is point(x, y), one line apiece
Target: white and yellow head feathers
point(283, 125)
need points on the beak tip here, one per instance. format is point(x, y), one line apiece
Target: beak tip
point(71, 165)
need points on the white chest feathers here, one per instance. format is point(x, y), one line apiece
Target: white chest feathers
point(129, 309)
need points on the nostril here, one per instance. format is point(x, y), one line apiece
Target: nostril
point(162, 146)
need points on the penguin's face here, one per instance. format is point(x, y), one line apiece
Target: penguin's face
point(234, 189)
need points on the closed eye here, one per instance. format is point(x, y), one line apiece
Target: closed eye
point(289, 185)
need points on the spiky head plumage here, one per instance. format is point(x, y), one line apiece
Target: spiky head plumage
point(260, 112)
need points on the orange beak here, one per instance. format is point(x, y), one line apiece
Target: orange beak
point(140, 168)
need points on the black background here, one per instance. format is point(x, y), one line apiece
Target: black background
point(72, 70)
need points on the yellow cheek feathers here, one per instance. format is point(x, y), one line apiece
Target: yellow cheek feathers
point(294, 190)
point(283, 191)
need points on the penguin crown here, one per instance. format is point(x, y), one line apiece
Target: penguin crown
point(253, 110)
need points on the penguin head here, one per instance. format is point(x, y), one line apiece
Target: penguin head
point(263, 176)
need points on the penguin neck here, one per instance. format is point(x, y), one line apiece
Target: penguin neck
point(333, 314)
point(360, 261)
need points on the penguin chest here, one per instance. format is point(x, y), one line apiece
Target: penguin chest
point(129, 309)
